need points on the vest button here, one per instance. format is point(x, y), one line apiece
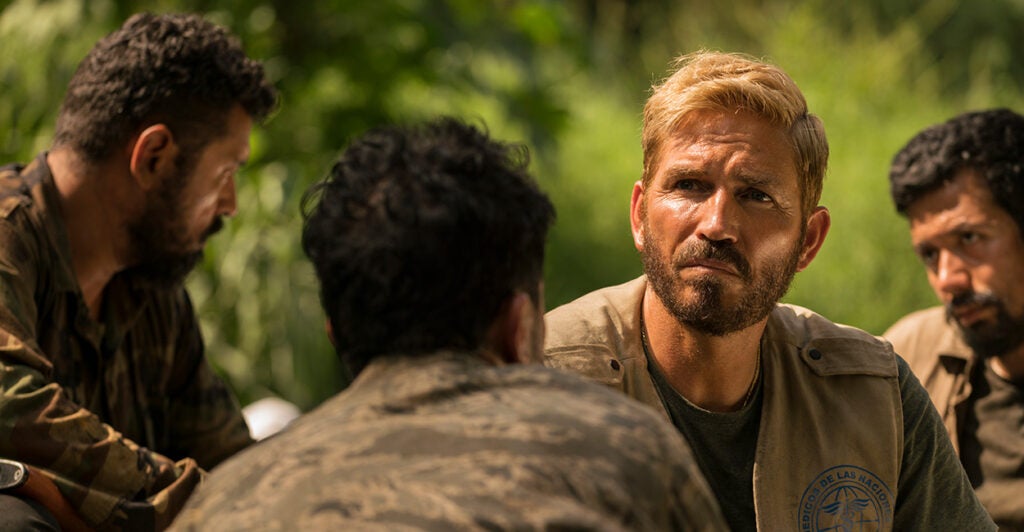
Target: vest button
point(815, 354)
point(615, 364)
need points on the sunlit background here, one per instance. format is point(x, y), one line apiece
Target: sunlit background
point(568, 79)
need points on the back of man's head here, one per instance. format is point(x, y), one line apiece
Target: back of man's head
point(420, 235)
point(175, 69)
point(989, 142)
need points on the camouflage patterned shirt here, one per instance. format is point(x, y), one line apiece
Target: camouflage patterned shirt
point(122, 412)
point(450, 442)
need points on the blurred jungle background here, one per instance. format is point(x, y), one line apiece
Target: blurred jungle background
point(568, 79)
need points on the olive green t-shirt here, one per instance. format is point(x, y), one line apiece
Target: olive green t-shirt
point(992, 446)
point(723, 444)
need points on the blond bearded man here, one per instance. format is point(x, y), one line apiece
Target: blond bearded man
point(797, 423)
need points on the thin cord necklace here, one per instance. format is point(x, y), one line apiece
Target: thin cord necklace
point(753, 382)
point(645, 343)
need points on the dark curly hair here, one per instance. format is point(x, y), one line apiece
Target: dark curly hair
point(419, 235)
point(175, 69)
point(989, 142)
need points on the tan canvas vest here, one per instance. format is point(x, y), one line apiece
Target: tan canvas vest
point(831, 436)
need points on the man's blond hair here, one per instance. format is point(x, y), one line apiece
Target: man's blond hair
point(731, 82)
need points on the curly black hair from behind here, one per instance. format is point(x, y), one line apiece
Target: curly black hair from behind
point(175, 69)
point(989, 142)
point(419, 235)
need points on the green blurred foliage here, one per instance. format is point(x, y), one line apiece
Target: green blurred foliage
point(568, 79)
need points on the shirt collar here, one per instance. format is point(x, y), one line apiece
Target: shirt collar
point(125, 298)
point(950, 343)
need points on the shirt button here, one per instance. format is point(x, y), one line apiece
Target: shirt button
point(615, 365)
point(815, 354)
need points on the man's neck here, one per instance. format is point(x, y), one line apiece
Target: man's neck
point(712, 372)
point(93, 221)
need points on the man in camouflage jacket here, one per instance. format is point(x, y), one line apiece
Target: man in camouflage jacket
point(428, 243)
point(104, 387)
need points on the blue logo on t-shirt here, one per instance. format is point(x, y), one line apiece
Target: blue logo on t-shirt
point(846, 498)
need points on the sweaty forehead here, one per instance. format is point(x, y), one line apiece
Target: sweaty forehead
point(734, 137)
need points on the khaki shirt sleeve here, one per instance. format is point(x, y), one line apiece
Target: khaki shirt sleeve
point(109, 479)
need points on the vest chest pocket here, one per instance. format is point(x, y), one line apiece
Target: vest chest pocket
point(595, 362)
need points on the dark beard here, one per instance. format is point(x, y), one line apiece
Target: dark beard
point(158, 241)
point(167, 273)
point(707, 313)
point(984, 338)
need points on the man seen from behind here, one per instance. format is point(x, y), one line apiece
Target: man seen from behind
point(428, 242)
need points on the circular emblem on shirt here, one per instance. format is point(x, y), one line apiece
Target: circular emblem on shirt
point(846, 497)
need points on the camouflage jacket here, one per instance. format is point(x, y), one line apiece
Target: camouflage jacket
point(93, 403)
point(449, 442)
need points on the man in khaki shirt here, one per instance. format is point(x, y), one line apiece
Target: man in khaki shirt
point(961, 186)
